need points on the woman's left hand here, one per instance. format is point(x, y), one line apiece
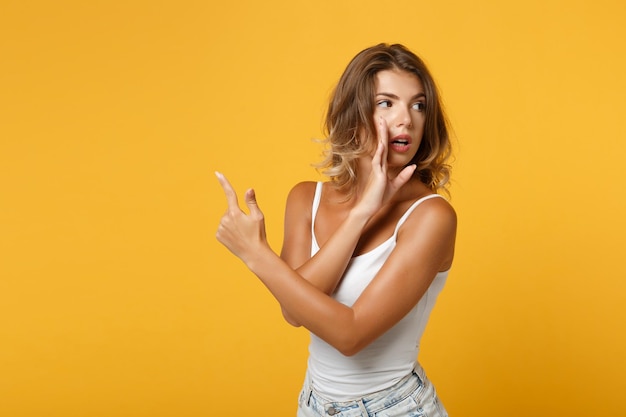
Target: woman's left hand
point(243, 234)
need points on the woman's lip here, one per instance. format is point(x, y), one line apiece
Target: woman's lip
point(400, 143)
point(402, 137)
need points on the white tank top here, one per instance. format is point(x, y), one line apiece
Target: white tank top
point(390, 357)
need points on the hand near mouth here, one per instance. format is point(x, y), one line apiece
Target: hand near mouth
point(380, 188)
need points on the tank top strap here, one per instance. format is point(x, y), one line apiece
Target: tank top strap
point(316, 203)
point(410, 210)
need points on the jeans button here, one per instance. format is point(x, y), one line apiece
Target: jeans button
point(332, 411)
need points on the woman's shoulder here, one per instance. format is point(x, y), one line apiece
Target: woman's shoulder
point(423, 206)
point(301, 196)
point(432, 210)
point(304, 190)
point(417, 196)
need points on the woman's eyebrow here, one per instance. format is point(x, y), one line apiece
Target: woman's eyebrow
point(390, 95)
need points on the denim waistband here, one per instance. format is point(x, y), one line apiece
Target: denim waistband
point(368, 404)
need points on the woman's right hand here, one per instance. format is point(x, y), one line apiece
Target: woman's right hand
point(380, 188)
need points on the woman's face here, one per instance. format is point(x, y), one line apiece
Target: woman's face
point(401, 102)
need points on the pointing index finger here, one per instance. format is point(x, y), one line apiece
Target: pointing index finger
point(231, 196)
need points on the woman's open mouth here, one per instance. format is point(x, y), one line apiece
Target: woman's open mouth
point(400, 143)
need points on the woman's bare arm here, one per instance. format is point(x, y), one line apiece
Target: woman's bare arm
point(325, 269)
point(401, 282)
point(424, 244)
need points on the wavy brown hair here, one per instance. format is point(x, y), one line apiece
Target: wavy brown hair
point(351, 110)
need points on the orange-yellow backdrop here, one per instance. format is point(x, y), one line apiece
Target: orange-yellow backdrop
point(115, 298)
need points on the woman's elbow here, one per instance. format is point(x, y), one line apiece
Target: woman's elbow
point(350, 346)
point(290, 319)
point(348, 351)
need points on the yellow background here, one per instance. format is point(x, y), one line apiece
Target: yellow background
point(116, 299)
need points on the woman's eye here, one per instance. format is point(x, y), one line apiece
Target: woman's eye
point(384, 103)
point(419, 106)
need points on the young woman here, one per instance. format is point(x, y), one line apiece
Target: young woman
point(365, 254)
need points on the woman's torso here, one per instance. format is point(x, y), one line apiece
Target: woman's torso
point(390, 357)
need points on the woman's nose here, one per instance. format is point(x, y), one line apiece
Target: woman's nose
point(403, 118)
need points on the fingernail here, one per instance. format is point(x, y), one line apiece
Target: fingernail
point(218, 174)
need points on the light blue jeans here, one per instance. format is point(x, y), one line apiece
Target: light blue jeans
point(412, 396)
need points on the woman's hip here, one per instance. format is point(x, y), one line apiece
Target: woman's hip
point(414, 395)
